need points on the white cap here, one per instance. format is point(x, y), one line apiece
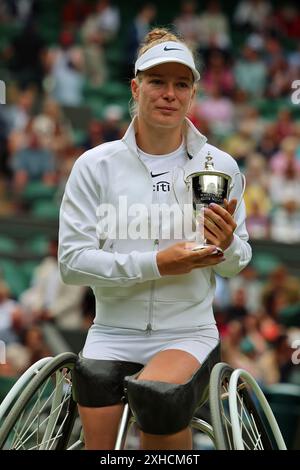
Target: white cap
point(169, 51)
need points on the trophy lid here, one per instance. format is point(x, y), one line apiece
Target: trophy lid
point(209, 169)
point(209, 164)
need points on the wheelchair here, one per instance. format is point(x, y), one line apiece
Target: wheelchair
point(39, 412)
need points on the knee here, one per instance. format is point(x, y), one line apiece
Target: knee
point(166, 408)
point(99, 383)
point(160, 407)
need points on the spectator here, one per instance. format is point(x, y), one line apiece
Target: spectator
point(217, 110)
point(69, 80)
point(287, 20)
point(232, 353)
point(276, 362)
point(34, 342)
point(52, 128)
point(280, 290)
point(250, 72)
point(17, 360)
point(218, 72)
point(240, 143)
point(252, 14)
point(285, 126)
point(74, 12)
point(285, 194)
point(49, 298)
point(213, 27)
point(104, 21)
point(279, 79)
point(253, 121)
point(248, 281)
point(111, 129)
point(268, 144)
point(187, 22)
point(18, 115)
point(95, 135)
point(258, 221)
point(237, 310)
point(64, 65)
point(11, 316)
point(136, 32)
point(253, 333)
point(256, 196)
point(33, 163)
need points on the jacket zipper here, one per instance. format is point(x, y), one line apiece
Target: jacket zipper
point(150, 317)
point(156, 246)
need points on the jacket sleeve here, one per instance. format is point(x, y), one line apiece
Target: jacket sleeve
point(239, 253)
point(81, 261)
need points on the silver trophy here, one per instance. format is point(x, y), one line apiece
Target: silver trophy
point(207, 186)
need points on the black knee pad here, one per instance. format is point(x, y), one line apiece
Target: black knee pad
point(164, 408)
point(99, 383)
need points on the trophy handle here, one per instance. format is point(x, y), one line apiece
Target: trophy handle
point(243, 188)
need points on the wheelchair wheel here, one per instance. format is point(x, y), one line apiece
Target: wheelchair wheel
point(43, 416)
point(243, 377)
point(19, 385)
point(237, 419)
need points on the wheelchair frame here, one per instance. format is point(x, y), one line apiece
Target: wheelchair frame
point(233, 399)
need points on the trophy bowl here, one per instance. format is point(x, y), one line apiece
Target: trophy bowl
point(207, 186)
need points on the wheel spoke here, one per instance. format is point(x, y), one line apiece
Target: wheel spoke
point(43, 415)
point(59, 407)
point(37, 447)
point(18, 424)
point(259, 435)
point(34, 407)
point(255, 432)
point(19, 441)
point(225, 417)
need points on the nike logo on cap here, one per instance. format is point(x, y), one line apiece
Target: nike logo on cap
point(166, 48)
point(158, 174)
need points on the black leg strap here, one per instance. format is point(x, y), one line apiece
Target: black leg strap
point(164, 408)
point(99, 383)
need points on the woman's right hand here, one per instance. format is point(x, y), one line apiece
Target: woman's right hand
point(180, 259)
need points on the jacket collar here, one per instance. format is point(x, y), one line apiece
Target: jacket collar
point(195, 140)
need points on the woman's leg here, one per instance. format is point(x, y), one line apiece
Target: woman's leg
point(100, 426)
point(172, 366)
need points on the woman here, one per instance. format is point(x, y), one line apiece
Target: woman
point(153, 295)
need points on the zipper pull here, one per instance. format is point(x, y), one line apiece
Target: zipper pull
point(149, 328)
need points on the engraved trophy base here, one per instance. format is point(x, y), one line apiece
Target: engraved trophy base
point(201, 247)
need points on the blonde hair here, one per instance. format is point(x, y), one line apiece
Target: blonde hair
point(157, 36)
point(154, 37)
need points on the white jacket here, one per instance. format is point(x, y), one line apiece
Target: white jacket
point(129, 291)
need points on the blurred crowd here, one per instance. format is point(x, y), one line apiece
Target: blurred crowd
point(39, 144)
point(248, 62)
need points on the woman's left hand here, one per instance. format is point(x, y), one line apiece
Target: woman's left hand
point(219, 224)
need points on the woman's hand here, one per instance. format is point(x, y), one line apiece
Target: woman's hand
point(219, 224)
point(180, 259)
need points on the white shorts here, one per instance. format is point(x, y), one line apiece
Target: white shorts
point(124, 344)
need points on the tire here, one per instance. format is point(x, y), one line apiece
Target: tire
point(262, 429)
point(251, 427)
point(19, 386)
point(45, 403)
